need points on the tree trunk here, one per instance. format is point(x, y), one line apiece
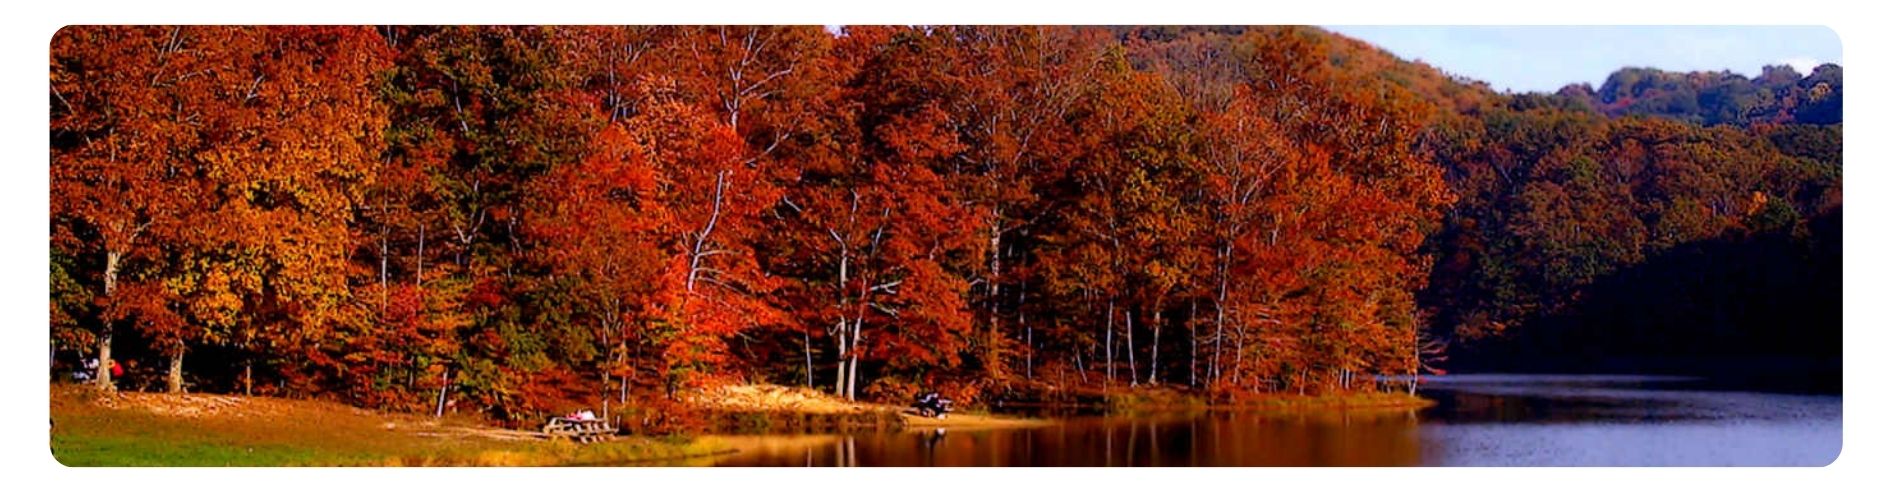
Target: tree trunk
point(174, 379)
point(1241, 348)
point(1194, 343)
point(1029, 351)
point(420, 253)
point(1078, 355)
point(807, 359)
point(992, 362)
point(853, 372)
point(840, 327)
point(1156, 337)
point(854, 358)
point(440, 401)
point(248, 380)
point(104, 376)
point(1130, 341)
point(1215, 356)
point(1412, 385)
point(604, 380)
point(606, 333)
point(1110, 342)
point(1090, 303)
point(697, 252)
point(1221, 313)
point(624, 354)
point(840, 360)
point(384, 265)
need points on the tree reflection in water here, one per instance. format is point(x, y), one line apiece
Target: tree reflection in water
point(1354, 438)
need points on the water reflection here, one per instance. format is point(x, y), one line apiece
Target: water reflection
point(1205, 439)
point(1479, 421)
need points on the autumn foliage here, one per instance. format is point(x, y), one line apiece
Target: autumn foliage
point(515, 221)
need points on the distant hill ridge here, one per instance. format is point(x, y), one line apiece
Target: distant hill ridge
point(1778, 95)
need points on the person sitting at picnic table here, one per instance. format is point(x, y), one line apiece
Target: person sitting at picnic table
point(582, 415)
point(91, 366)
point(931, 404)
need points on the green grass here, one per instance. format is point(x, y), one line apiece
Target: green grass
point(272, 432)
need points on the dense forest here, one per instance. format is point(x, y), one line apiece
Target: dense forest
point(1778, 95)
point(526, 219)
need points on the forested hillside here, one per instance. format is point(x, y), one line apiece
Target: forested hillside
point(526, 219)
point(1778, 95)
point(1673, 222)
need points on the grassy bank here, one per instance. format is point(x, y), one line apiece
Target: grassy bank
point(92, 428)
point(136, 429)
point(763, 408)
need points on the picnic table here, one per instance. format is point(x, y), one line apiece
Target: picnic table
point(581, 430)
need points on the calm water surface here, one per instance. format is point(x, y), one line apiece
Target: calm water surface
point(1481, 420)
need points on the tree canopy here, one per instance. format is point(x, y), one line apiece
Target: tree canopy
point(524, 219)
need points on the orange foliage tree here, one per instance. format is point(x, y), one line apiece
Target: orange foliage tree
point(522, 220)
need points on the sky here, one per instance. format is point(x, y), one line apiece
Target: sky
point(1545, 58)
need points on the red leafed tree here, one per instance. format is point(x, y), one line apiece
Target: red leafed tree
point(654, 225)
point(126, 120)
point(773, 88)
point(290, 167)
point(255, 136)
point(1007, 95)
point(722, 112)
point(1362, 212)
point(767, 83)
point(532, 218)
point(591, 223)
point(713, 203)
point(875, 246)
point(1254, 186)
point(1011, 91)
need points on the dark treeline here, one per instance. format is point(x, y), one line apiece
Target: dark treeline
point(1582, 242)
point(523, 219)
point(1778, 95)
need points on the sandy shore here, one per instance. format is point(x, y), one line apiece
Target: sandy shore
point(971, 421)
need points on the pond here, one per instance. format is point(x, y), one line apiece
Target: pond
point(1481, 420)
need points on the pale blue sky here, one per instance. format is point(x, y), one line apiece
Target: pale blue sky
point(1545, 58)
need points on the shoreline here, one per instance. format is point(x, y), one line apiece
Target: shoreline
point(970, 421)
point(93, 428)
point(1170, 398)
point(753, 409)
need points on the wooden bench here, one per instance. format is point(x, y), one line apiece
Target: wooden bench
point(580, 430)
